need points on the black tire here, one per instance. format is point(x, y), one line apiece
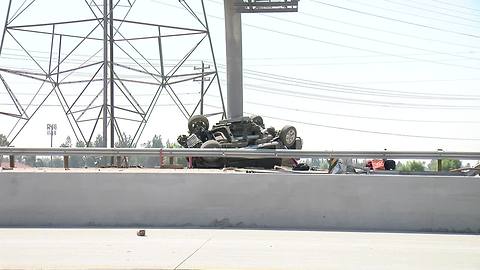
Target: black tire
point(211, 144)
point(288, 136)
point(390, 165)
point(198, 121)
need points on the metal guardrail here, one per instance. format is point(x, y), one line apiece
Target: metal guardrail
point(237, 153)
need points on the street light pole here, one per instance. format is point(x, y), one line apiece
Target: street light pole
point(52, 131)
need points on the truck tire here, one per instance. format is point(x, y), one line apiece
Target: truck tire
point(288, 136)
point(198, 121)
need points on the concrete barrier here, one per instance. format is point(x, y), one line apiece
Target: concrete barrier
point(168, 199)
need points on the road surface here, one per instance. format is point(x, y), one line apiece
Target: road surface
point(233, 249)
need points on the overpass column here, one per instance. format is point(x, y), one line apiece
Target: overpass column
point(233, 34)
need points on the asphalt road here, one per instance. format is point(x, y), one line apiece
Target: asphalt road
point(233, 249)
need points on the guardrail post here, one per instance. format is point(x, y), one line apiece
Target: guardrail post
point(66, 164)
point(12, 161)
point(161, 158)
point(439, 165)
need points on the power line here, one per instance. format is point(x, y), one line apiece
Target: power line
point(318, 64)
point(397, 20)
point(92, 95)
point(432, 11)
point(454, 5)
point(415, 48)
point(362, 130)
point(448, 9)
point(352, 89)
point(429, 19)
point(338, 88)
point(369, 101)
point(311, 96)
point(417, 96)
point(341, 56)
point(368, 38)
point(363, 117)
point(388, 32)
point(342, 88)
point(362, 49)
point(364, 38)
point(303, 81)
point(247, 58)
point(373, 131)
point(85, 105)
point(414, 81)
point(86, 55)
point(283, 77)
point(72, 60)
point(358, 89)
point(337, 44)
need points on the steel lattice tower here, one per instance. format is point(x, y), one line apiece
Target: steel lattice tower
point(107, 78)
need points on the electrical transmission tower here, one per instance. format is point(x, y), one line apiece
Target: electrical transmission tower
point(93, 67)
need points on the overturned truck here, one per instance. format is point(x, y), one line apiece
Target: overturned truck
point(245, 132)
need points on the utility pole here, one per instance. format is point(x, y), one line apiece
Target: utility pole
point(202, 84)
point(233, 34)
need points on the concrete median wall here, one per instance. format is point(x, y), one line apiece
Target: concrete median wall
point(332, 202)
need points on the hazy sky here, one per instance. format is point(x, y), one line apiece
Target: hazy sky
point(350, 75)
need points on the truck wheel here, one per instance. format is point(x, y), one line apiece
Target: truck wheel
point(211, 144)
point(288, 136)
point(198, 121)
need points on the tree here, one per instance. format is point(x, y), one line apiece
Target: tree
point(177, 160)
point(3, 140)
point(74, 161)
point(412, 166)
point(98, 141)
point(81, 161)
point(156, 142)
point(447, 165)
point(93, 161)
point(67, 143)
point(125, 141)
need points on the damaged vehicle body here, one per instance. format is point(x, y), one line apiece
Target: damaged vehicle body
point(245, 132)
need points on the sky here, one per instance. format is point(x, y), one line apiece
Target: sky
point(349, 75)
